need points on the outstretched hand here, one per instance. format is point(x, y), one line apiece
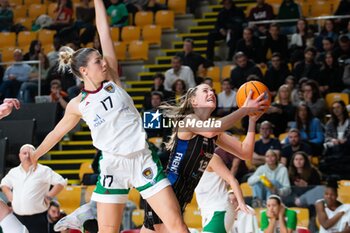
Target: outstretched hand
point(7, 107)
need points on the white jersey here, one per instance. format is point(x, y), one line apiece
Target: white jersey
point(115, 124)
point(340, 225)
point(211, 193)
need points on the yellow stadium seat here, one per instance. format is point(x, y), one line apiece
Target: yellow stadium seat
point(88, 192)
point(138, 50)
point(335, 96)
point(165, 19)
point(26, 37)
point(130, 33)
point(30, 2)
point(152, 34)
point(192, 217)
point(214, 73)
point(226, 71)
point(120, 50)
point(135, 197)
point(36, 10)
point(8, 39)
point(143, 18)
point(115, 33)
point(302, 216)
point(25, 48)
point(26, 22)
point(178, 6)
point(48, 48)
point(15, 2)
point(246, 190)
point(217, 87)
point(321, 8)
point(46, 36)
point(161, 1)
point(51, 8)
point(70, 198)
point(344, 191)
point(85, 168)
point(20, 11)
point(137, 217)
point(282, 136)
point(7, 54)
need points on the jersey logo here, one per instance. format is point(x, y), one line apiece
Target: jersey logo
point(98, 121)
point(148, 173)
point(110, 88)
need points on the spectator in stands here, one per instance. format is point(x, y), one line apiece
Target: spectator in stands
point(299, 41)
point(53, 55)
point(14, 76)
point(6, 16)
point(34, 50)
point(228, 27)
point(179, 89)
point(295, 145)
point(305, 180)
point(297, 96)
point(178, 71)
point(226, 98)
point(337, 142)
point(269, 178)
point(29, 191)
point(7, 106)
point(310, 127)
point(331, 75)
point(276, 43)
point(328, 47)
point(294, 94)
point(288, 10)
point(250, 45)
point(154, 6)
point(277, 218)
point(85, 16)
point(8, 221)
point(313, 98)
point(281, 111)
point(243, 69)
point(158, 86)
point(118, 13)
point(276, 74)
point(332, 215)
point(192, 59)
point(262, 11)
point(265, 143)
point(307, 68)
point(327, 31)
point(343, 51)
point(58, 96)
point(63, 16)
point(54, 214)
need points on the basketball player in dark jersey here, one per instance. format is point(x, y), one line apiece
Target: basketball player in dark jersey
point(193, 142)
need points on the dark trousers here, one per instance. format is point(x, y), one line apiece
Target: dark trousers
point(212, 37)
point(36, 223)
point(9, 89)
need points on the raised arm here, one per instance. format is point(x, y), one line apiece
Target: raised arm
point(323, 218)
point(69, 121)
point(106, 41)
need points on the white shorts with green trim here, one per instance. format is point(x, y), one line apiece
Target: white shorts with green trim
point(118, 174)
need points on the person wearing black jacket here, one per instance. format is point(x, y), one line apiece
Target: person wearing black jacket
point(276, 42)
point(307, 68)
point(250, 45)
point(229, 21)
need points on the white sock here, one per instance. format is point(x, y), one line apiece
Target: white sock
point(10, 224)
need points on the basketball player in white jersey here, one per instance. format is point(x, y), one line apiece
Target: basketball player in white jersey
point(117, 130)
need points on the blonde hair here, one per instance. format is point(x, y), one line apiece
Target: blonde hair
point(276, 153)
point(27, 145)
point(284, 86)
point(178, 113)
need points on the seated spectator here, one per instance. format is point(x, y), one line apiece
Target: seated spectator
point(295, 145)
point(228, 26)
point(250, 45)
point(276, 43)
point(85, 16)
point(288, 10)
point(6, 16)
point(53, 55)
point(58, 96)
point(192, 59)
point(14, 76)
point(118, 13)
point(298, 42)
point(281, 111)
point(305, 180)
point(278, 218)
point(313, 98)
point(178, 71)
point(307, 68)
point(54, 214)
point(297, 95)
point(337, 142)
point(63, 16)
point(276, 74)
point(265, 143)
point(178, 90)
point(294, 90)
point(270, 178)
point(226, 98)
point(342, 52)
point(158, 86)
point(34, 50)
point(310, 127)
point(331, 75)
point(328, 47)
point(327, 31)
point(262, 11)
point(154, 6)
point(243, 69)
point(332, 215)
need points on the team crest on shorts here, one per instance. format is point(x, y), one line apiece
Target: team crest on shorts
point(109, 88)
point(148, 173)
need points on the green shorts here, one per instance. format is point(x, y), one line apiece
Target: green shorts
point(218, 221)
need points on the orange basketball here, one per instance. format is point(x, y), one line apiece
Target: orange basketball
point(257, 87)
